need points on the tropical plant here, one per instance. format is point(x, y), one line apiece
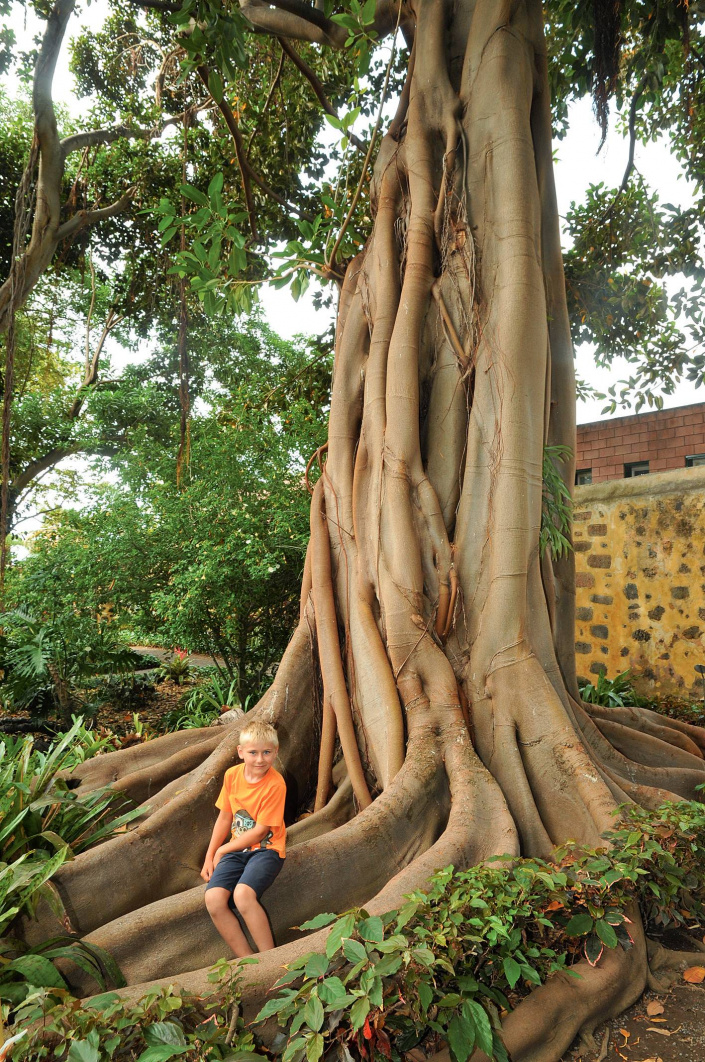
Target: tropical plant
point(43, 821)
point(47, 662)
point(161, 1025)
point(617, 692)
point(175, 667)
point(455, 955)
point(204, 704)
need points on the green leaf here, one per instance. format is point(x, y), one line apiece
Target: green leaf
point(164, 1032)
point(483, 1029)
point(272, 1006)
point(461, 1036)
point(606, 933)
point(372, 929)
point(333, 992)
point(314, 1048)
point(316, 966)
point(425, 993)
point(579, 924)
point(163, 1052)
point(216, 185)
point(194, 195)
point(358, 1012)
point(354, 951)
point(83, 1051)
point(320, 920)
point(424, 955)
point(512, 970)
point(37, 970)
point(215, 87)
point(342, 928)
point(313, 1013)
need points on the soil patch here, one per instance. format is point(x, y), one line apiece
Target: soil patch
point(644, 1033)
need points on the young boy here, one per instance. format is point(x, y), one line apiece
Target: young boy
point(239, 870)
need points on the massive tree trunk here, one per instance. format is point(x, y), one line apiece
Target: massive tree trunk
point(441, 638)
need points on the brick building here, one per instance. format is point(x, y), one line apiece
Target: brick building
point(642, 443)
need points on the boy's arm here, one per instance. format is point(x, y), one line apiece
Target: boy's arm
point(220, 832)
point(246, 839)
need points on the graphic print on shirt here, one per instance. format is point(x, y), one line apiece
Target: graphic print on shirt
point(242, 822)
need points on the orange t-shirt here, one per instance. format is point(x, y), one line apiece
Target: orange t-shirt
point(261, 803)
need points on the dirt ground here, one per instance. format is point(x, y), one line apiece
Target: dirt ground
point(675, 1033)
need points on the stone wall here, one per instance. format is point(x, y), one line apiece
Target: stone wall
point(640, 575)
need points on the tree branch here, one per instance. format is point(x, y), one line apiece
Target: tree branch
point(84, 218)
point(638, 93)
point(317, 87)
point(292, 18)
point(90, 137)
point(246, 168)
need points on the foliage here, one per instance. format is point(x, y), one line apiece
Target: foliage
point(445, 963)
point(46, 662)
point(612, 693)
point(204, 704)
point(44, 822)
point(556, 504)
point(214, 561)
point(159, 1026)
point(175, 667)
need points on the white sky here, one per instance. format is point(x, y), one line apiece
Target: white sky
point(578, 166)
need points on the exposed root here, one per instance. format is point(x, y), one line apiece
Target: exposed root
point(666, 966)
point(109, 768)
point(318, 875)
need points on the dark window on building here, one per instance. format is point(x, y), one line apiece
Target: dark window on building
point(694, 460)
point(583, 476)
point(636, 468)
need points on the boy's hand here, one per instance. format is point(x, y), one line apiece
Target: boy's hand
point(208, 868)
point(219, 853)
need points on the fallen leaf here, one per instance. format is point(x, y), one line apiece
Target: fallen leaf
point(661, 1032)
point(654, 1007)
point(625, 1033)
point(694, 975)
point(659, 1019)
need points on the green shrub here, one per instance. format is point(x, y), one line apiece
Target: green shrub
point(44, 823)
point(451, 959)
point(175, 667)
point(618, 692)
point(160, 1026)
point(203, 704)
point(47, 663)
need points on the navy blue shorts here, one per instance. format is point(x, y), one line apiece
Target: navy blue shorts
point(257, 869)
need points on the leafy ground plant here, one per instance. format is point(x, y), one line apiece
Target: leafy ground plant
point(160, 1026)
point(204, 704)
point(43, 824)
point(47, 664)
point(612, 693)
point(452, 959)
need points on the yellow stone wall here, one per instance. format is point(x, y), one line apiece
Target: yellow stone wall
point(640, 580)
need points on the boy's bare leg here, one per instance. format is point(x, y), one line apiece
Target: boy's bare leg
point(226, 922)
point(255, 917)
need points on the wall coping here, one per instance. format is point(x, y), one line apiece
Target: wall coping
point(674, 481)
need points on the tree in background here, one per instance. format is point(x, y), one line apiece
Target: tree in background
point(441, 632)
point(214, 562)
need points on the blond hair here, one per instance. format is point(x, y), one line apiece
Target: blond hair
point(259, 730)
